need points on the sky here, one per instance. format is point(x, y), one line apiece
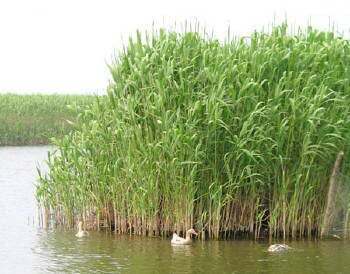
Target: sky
point(64, 46)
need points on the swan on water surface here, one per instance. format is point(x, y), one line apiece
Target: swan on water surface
point(81, 233)
point(177, 240)
point(278, 248)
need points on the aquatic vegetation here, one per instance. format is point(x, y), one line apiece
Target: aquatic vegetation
point(34, 119)
point(231, 138)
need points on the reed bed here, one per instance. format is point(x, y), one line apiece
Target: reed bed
point(231, 138)
point(34, 119)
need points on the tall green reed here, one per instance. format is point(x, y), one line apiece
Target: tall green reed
point(233, 137)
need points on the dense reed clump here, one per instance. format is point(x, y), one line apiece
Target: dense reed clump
point(233, 137)
point(34, 119)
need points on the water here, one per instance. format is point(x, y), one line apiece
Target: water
point(26, 248)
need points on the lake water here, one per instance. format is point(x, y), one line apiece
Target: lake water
point(26, 248)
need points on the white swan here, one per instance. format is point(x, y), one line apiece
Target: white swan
point(81, 233)
point(177, 240)
point(278, 248)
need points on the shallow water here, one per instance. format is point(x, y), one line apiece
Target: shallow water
point(26, 248)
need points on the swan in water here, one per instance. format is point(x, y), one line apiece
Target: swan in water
point(278, 248)
point(81, 233)
point(177, 240)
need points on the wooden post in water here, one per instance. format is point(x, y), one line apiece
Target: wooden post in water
point(346, 222)
point(332, 190)
point(45, 223)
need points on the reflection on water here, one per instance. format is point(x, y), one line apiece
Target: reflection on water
point(17, 207)
point(25, 248)
point(182, 250)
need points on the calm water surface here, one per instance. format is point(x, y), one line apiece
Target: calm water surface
point(25, 248)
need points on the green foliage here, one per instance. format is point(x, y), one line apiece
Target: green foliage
point(226, 137)
point(34, 119)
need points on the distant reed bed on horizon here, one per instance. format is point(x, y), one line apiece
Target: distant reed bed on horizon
point(35, 119)
point(230, 137)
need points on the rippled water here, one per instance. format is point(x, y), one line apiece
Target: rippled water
point(25, 248)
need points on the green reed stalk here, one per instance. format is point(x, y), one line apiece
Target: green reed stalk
point(231, 138)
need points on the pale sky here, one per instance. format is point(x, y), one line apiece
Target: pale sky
point(63, 46)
